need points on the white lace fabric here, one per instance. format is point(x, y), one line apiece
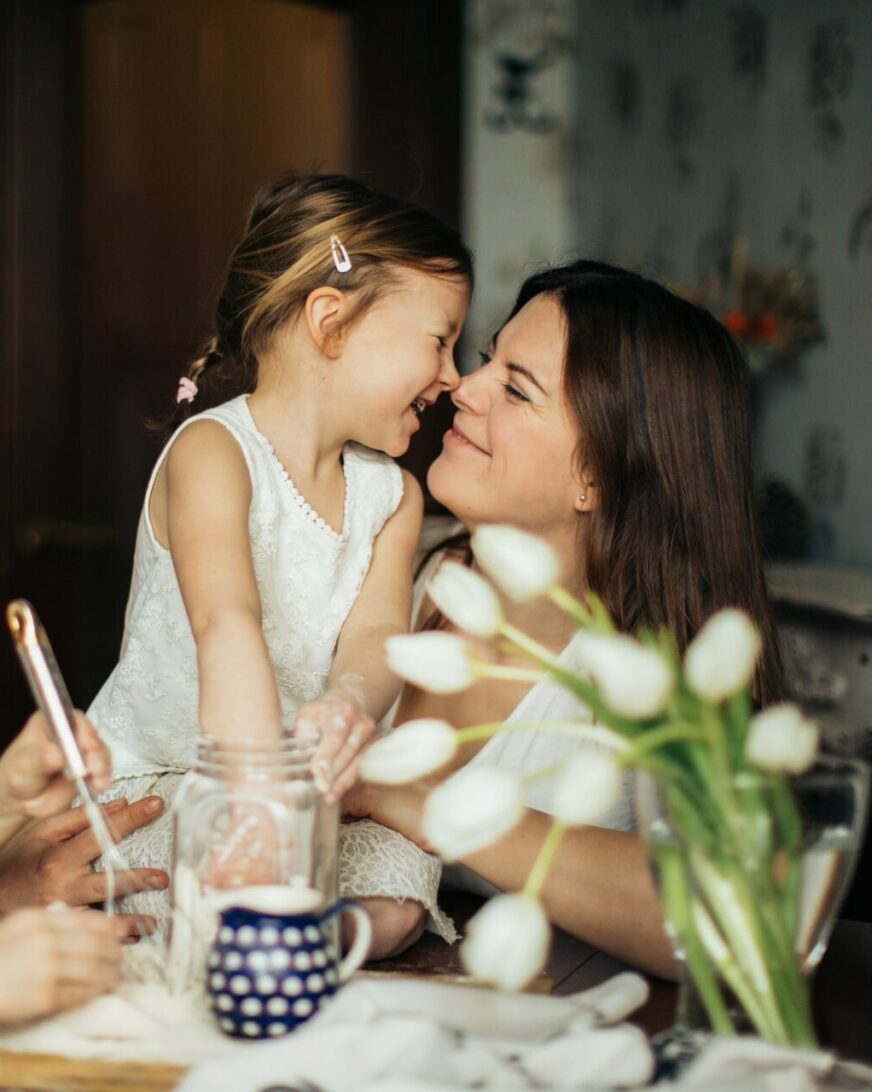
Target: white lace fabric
point(377, 862)
point(308, 576)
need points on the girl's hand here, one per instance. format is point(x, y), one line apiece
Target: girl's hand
point(51, 960)
point(341, 731)
point(32, 782)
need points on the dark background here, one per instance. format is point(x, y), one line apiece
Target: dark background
point(134, 134)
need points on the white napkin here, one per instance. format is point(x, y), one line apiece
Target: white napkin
point(420, 1035)
point(144, 1023)
point(748, 1064)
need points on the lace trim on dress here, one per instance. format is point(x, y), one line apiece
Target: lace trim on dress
point(305, 507)
point(375, 861)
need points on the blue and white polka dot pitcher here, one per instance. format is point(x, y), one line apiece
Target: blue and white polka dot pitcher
point(271, 963)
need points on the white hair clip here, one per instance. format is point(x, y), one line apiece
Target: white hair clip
point(340, 255)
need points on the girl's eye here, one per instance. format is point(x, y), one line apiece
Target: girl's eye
point(443, 342)
point(514, 393)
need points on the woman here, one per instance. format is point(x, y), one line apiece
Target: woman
point(610, 418)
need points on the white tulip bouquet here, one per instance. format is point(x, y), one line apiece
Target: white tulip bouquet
point(729, 860)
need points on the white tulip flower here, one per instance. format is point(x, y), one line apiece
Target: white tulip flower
point(720, 660)
point(781, 738)
point(472, 809)
point(507, 941)
point(587, 788)
point(522, 565)
point(466, 599)
point(417, 748)
point(439, 662)
point(635, 681)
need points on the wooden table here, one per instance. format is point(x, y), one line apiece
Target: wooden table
point(843, 1005)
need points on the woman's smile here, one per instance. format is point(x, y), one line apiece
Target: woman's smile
point(455, 437)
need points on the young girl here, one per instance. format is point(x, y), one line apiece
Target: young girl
point(275, 546)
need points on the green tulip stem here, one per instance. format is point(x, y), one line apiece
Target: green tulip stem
point(536, 878)
point(584, 689)
point(594, 733)
point(533, 649)
point(655, 738)
point(576, 610)
point(675, 889)
point(728, 969)
point(515, 674)
point(543, 773)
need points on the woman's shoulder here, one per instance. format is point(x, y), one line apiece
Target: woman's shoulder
point(438, 540)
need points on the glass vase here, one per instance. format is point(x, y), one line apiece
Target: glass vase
point(750, 888)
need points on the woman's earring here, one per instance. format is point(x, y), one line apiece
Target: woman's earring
point(582, 498)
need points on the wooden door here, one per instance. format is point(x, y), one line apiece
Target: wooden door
point(186, 109)
point(44, 544)
point(163, 121)
point(133, 135)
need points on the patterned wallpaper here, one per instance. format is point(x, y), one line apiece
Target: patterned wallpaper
point(699, 121)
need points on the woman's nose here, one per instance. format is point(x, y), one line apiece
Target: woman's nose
point(469, 394)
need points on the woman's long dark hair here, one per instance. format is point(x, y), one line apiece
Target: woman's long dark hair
point(660, 392)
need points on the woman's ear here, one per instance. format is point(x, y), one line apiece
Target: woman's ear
point(325, 311)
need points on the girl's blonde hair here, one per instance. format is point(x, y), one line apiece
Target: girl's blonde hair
point(286, 253)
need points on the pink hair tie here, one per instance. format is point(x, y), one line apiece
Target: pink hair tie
point(187, 391)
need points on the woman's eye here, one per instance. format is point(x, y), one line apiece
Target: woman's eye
point(514, 393)
point(443, 342)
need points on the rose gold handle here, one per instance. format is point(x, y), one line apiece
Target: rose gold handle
point(45, 680)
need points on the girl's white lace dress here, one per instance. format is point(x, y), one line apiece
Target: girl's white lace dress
point(308, 576)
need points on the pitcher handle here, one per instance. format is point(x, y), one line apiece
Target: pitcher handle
point(362, 936)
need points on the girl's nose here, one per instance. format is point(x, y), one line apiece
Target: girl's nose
point(449, 377)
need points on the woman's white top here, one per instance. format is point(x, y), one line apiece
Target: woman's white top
point(308, 576)
point(527, 751)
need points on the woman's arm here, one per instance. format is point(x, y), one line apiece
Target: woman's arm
point(599, 886)
point(208, 496)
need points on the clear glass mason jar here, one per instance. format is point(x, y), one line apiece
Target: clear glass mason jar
point(246, 815)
